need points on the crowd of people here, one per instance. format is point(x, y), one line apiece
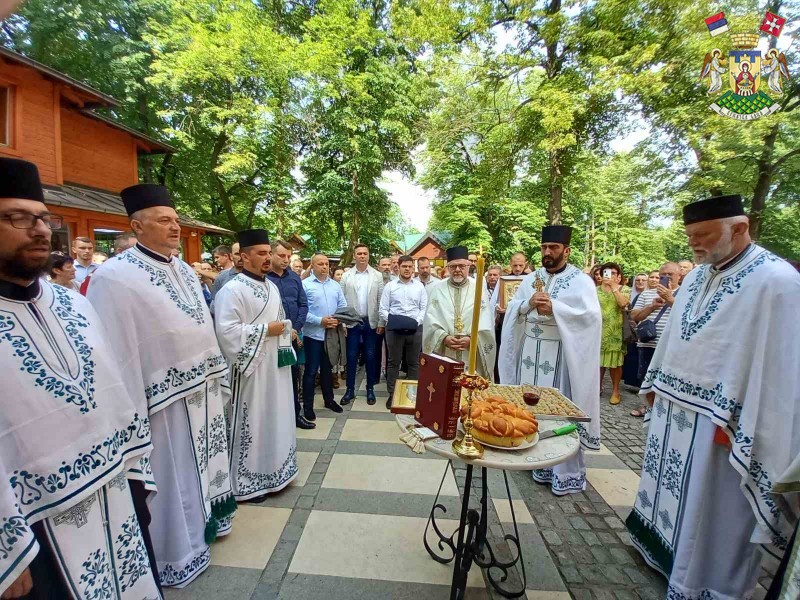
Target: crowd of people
point(142, 373)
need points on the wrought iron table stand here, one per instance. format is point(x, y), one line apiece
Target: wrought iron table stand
point(472, 545)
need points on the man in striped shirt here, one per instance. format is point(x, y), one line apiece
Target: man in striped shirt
point(648, 306)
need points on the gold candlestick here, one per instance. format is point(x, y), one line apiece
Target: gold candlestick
point(467, 447)
point(476, 316)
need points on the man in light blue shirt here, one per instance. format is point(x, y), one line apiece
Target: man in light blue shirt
point(83, 249)
point(325, 297)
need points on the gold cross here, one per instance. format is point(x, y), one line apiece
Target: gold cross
point(430, 389)
point(538, 284)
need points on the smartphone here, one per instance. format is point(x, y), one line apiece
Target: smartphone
point(607, 273)
point(664, 280)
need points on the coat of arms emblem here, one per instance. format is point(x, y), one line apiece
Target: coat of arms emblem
point(746, 70)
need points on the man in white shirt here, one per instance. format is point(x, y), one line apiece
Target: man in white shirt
point(403, 305)
point(362, 288)
point(425, 276)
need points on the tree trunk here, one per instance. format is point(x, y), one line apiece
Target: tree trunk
point(556, 189)
point(218, 185)
point(355, 226)
point(765, 172)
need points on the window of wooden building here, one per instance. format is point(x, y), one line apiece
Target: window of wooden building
point(5, 115)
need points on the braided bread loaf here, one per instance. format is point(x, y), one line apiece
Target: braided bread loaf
point(501, 423)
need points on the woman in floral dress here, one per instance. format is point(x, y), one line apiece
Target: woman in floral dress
point(613, 297)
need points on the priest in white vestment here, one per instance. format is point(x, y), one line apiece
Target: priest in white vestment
point(73, 444)
point(724, 387)
point(256, 338)
point(551, 338)
point(153, 307)
point(448, 319)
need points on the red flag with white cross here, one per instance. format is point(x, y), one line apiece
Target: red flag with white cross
point(772, 24)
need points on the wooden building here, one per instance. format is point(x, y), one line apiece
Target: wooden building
point(84, 158)
point(432, 245)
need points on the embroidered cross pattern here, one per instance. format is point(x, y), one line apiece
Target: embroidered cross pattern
point(219, 479)
point(537, 331)
point(546, 367)
point(644, 499)
point(118, 482)
point(78, 515)
point(681, 421)
point(528, 362)
point(196, 399)
point(660, 408)
point(666, 522)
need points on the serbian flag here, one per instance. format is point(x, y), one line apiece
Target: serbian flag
point(772, 24)
point(717, 24)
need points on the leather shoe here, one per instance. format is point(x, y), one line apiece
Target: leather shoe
point(333, 406)
point(310, 415)
point(302, 423)
point(388, 404)
point(370, 397)
point(348, 396)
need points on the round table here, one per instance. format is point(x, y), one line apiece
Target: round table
point(472, 544)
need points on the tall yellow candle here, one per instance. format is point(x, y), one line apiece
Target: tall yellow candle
point(476, 315)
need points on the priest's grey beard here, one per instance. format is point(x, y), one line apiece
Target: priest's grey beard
point(455, 283)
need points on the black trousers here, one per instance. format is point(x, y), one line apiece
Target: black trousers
point(400, 346)
point(45, 572)
point(316, 360)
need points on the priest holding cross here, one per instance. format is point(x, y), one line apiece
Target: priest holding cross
point(551, 338)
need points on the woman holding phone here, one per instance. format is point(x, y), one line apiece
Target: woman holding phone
point(613, 297)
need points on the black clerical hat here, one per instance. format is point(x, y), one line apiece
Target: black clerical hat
point(457, 253)
point(20, 179)
point(145, 195)
point(556, 234)
point(718, 207)
point(252, 237)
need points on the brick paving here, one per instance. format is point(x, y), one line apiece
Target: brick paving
point(622, 433)
point(586, 538)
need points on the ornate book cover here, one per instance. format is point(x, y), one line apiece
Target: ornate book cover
point(438, 397)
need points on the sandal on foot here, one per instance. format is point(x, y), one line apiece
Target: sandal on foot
point(615, 399)
point(639, 412)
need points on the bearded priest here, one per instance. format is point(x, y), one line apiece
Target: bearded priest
point(445, 329)
point(551, 338)
point(724, 386)
point(256, 338)
point(153, 308)
point(73, 446)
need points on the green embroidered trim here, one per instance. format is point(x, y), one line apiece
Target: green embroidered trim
point(286, 358)
point(221, 509)
point(647, 537)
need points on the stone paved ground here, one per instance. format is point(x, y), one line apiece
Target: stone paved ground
point(351, 526)
point(585, 533)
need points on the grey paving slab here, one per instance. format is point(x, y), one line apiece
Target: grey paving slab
point(379, 449)
point(385, 503)
point(341, 588)
point(603, 461)
point(218, 583)
point(373, 416)
point(540, 570)
point(310, 445)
